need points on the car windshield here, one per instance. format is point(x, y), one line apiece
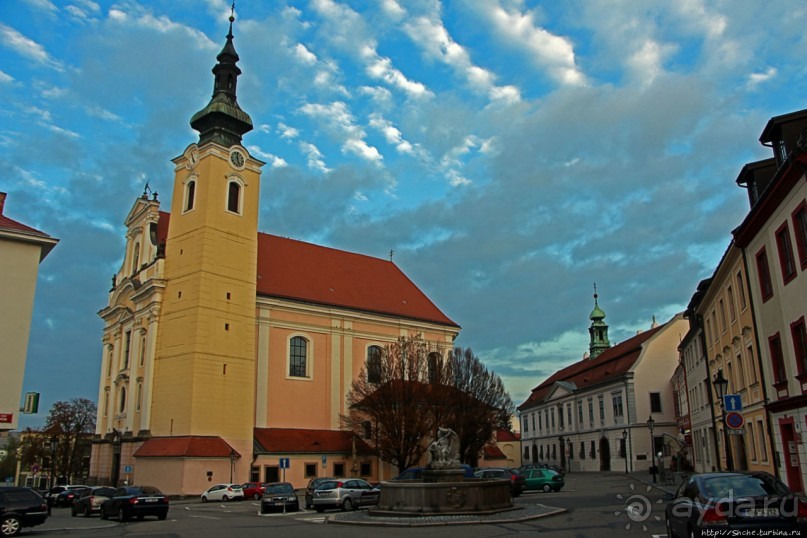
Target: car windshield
point(722, 487)
point(329, 484)
point(102, 492)
point(280, 489)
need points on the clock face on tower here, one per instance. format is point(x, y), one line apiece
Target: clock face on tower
point(237, 158)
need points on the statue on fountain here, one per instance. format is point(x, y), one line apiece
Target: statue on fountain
point(445, 450)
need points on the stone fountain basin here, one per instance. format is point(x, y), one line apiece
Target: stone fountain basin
point(469, 496)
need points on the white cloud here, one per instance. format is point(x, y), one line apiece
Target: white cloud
point(28, 48)
point(304, 55)
point(5, 78)
point(314, 156)
point(755, 79)
point(273, 160)
point(381, 68)
point(287, 131)
point(647, 60)
point(43, 5)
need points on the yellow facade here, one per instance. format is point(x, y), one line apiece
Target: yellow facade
point(731, 346)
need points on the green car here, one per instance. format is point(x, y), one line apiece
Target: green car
point(545, 480)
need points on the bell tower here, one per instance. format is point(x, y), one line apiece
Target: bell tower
point(206, 339)
point(598, 331)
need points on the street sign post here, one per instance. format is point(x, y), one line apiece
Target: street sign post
point(735, 421)
point(732, 402)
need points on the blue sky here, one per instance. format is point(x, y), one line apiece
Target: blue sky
point(510, 152)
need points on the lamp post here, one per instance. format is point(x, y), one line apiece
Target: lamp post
point(54, 444)
point(625, 448)
point(569, 453)
point(232, 463)
point(651, 424)
point(721, 385)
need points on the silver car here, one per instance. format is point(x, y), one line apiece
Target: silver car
point(347, 494)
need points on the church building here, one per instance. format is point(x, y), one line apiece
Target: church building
point(228, 352)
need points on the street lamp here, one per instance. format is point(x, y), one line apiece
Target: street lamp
point(651, 424)
point(625, 448)
point(232, 463)
point(54, 444)
point(721, 385)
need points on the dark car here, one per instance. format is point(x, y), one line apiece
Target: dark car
point(279, 496)
point(70, 494)
point(543, 479)
point(750, 502)
point(312, 485)
point(347, 494)
point(20, 507)
point(90, 500)
point(135, 501)
point(416, 473)
point(517, 482)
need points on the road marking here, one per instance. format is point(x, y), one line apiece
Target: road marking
point(206, 517)
point(320, 519)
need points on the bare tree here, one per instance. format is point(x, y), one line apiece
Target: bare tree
point(408, 389)
point(476, 403)
point(71, 425)
point(390, 403)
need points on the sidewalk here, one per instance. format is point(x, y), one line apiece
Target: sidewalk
point(665, 487)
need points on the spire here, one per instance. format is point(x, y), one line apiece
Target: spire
point(222, 120)
point(598, 331)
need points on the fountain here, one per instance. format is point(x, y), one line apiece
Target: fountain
point(443, 490)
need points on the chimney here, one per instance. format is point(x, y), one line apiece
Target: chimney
point(2, 202)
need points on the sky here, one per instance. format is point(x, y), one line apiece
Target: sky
point(511, 153)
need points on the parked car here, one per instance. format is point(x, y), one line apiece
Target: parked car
point(223, 492)
point(90, 500)
point(545, 480)
point(528, 466)
point(309, 489)
point(517, 481)
point(751, 502)
point(347, 494)
point(416, 473)
point(253, 490)
point(54, 492)
point(279, 496)
point(135, 501)
point(20, 507)
point(69, 495)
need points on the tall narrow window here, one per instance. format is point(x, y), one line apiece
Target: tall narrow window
point(139, 396)
point(763, 448)
point(122, 400)
point(234, 197)
point(190, 194)
point(764, 274)
point(800, 231)
point(741, 290)
point(799, 333)
point(433, 364)
point(752, 368)
point(373, 364)
point(298, 357)
point(722, 310)
point(655, 402)
point(777, 360)
point(127, 344)
point(142, 351)
point(786, 259)
point(136, 257)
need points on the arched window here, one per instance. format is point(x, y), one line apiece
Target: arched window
point(190, 194)
point(122, 400)
point(136, 257)
point(142, 351)
point(139, 396)
point(373, 364)
point(234, 197)
point(298, 357)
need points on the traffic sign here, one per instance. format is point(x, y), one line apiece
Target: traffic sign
point(732, 402)
point(127, 469)
point(284, 463)
point(735, 421)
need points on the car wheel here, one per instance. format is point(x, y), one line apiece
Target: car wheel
point(121, 515)
point(256, 496)
point(347, 505)
point(10, 526)
point(87, 512)
point(547, 488)
point(204, 499)
point(320, 509)
point(103, 514)
point(224, 498)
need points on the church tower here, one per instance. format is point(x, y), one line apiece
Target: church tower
point(206, 342)
point(598, 331)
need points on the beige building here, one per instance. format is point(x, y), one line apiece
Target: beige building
point(725, 308)
point(22, 249)
point(228, 353)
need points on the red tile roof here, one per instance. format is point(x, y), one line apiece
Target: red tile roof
point(299, 271)
point(492, 452)
point(188, 447)
point(610, 364)
point(504, 436)
point(20, 230)
point(299, 441)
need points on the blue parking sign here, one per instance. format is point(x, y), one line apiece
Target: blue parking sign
point(732, 402)
point(284, 463)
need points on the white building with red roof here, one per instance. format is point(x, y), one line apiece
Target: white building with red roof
point(22, 249)
point(593, 415)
